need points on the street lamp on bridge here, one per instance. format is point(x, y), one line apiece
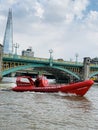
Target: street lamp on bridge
point(16, 46)
point(76, 57)
point(51, 57)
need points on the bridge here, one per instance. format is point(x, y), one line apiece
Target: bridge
point(11, 63)
point(61, 70)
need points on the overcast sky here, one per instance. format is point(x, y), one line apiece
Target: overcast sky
point(68, 27)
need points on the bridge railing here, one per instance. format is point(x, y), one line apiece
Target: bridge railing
point(23, 57)
point(40, 59)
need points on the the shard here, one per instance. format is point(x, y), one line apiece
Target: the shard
point(8, 37)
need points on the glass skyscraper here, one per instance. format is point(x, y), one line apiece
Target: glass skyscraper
point(8, 37)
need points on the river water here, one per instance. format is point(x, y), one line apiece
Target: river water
point(47, 111)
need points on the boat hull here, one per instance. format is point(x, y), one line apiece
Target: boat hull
point(79, 88)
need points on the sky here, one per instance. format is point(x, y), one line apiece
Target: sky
point(68, 27)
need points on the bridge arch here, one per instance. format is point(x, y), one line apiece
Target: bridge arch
point(67, 71)
point(93, 74)
point(52, 69)
point(14, 69)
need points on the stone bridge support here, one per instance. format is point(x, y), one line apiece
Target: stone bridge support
point(86, 68)
point(1, 52)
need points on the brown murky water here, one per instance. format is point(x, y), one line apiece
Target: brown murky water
point(54, 111)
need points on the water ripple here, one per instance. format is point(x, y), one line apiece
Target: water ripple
point(41, 111)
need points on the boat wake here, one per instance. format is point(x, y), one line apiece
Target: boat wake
point(7, 86)
point(66, 94)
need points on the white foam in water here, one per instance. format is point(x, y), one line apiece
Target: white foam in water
point(66, 94)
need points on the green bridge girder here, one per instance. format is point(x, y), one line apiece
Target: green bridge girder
point(93, 74)
point(39, 63)
point(11, 70)
point(58, 66)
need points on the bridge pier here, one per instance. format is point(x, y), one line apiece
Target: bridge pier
point(86, 68)
point(1, 52)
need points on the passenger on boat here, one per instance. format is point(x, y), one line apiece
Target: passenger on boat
point(37, 82)
point(41, 81)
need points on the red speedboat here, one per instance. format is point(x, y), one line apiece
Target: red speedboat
point(41, 85)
